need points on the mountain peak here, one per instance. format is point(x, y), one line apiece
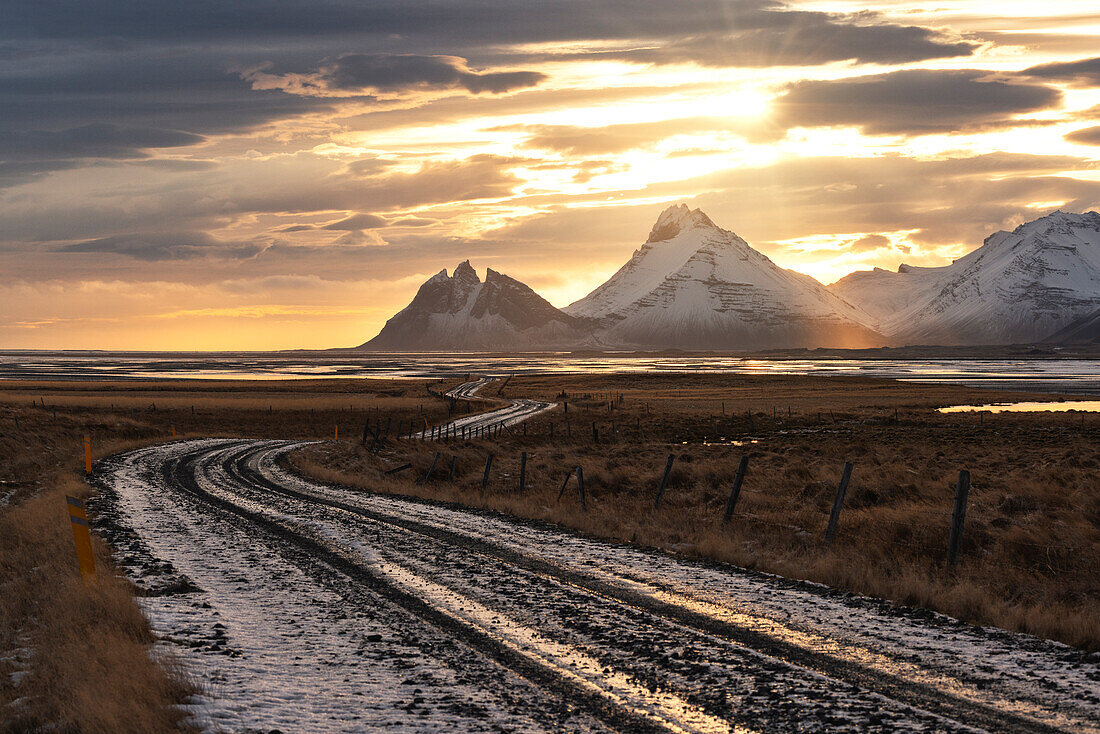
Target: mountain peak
point(466, 273)
point(676, 219)
point(1088, 220)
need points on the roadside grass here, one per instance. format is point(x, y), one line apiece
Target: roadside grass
point(76, 657)
point(80, 653)
point(1032, 534)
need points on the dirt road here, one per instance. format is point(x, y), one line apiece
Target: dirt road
point(306, 607)
point(488, 423)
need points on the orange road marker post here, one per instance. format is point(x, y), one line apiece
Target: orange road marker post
point(173, 431)
point(87, 454)
point(82, 538)
point(336, 433)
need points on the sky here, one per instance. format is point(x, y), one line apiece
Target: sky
point(226, 175)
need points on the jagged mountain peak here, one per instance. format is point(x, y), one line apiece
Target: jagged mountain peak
point(1057, 218)
point(676, 219)
point(462, 313)
point(466, 273)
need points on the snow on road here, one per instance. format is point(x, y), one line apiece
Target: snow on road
point(517, 411)
point(329, 609)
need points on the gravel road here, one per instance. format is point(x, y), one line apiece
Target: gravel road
point(301, 607)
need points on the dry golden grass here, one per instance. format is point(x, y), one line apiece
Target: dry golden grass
point(1032, 536)
point(88, 667)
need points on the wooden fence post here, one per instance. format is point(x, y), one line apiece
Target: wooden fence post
point(522, 470)
point(485, 478)
point(838, 503)
point(428, 474)
point(454, 465)
point(664, 480)
point(962, 491)
point(595, 433)
point(735, 491)
point(403, 467)
point(564, 485)
point(580, 488)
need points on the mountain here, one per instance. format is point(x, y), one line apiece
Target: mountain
point(1018, 287)
point(461, 313)
point(693, 285)
point(1085, 330)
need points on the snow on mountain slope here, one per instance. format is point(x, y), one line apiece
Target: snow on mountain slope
point(1018, 287)
point(693, 285)
point(1085, 330)
point(882, 293)
point(460, 313)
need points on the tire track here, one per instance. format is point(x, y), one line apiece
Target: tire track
point(597, 642)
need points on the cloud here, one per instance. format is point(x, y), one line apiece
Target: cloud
point(165, 246)
point(912, 102)
point(705, 31)
point(796, 38)
point(392, 72)
point(610, 139)
point(359, 237)
point(1083, 72)
point(414, 222)
point(1087, 135)
point(96, 140)
point(867, 243)
point(357, 222)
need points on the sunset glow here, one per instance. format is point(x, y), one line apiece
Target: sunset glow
point(290, 185)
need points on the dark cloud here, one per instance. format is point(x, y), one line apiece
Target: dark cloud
point(166, 246)
point(800, 39)
point(1087, 135)
point(97, 140)
point(390, 72)
point(769, 32)
point(280, 184)
point(357, 222)
point(912, 102)
point(1083, 72)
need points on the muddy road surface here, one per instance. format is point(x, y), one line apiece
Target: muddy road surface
point(303, 607)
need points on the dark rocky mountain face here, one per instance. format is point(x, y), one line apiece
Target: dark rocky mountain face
point(461, 313)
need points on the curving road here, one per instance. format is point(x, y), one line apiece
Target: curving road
point(483, 424)
point(320, 608)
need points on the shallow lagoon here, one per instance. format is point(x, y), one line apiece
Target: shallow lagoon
point(1076, 376)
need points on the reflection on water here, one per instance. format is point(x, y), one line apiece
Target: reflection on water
point(1046, 375)
point(1084, 405)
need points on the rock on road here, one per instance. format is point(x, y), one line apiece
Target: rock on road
point(304, 607)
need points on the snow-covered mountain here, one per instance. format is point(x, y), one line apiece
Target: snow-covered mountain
point(693, 285)
point(1018, 287)
point(462, 313)
point(1085, 330)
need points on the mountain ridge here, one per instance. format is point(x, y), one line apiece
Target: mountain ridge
point(693, 286)
point(1017, 287)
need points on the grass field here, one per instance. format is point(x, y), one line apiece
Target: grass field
point(1032, 531)
point(1031, 547)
